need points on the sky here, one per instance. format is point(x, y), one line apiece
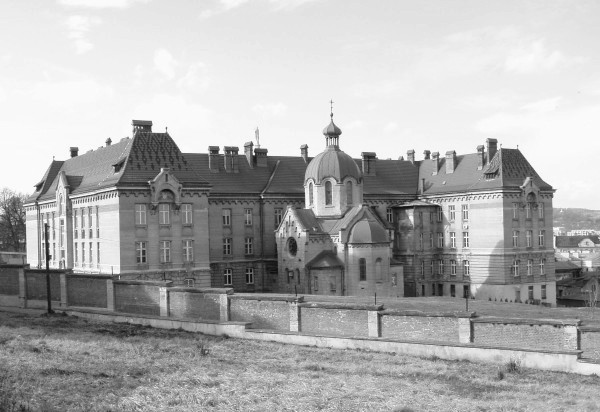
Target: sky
point(422, 75)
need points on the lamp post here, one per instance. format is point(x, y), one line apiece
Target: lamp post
point(47, 246)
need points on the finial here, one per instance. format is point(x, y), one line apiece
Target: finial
point(331, 104)
point(166, 129)
point(257, 136)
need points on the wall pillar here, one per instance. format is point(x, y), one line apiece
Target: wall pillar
point(64, 302)
point(224, 309)
point(294, 309)
point(164, 301)
point(110, 295)
point(572, 337)
point(22, 288)
point(374, 324)
point(465, 330)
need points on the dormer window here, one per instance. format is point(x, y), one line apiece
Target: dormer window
point(118, 166)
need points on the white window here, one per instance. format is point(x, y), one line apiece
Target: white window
point(528, 238)
point(97, 222)
point(542, 267)
point(466, 239)
point(248, 246)
point(515, 210)
point(90, 222)
point(165, 251)
point(164, 215)
point(540, 210)
point(467, 267)
point(82, 254)
point(515, 238)
point(140, 252)
point(140, 214)
point(528, 211)
point(250, 276)
point(453, 267)
point(186, 213)
point(465, 212)
point(91, 260)
point(248, 217)
point(529, 267)
point(431, 240)
point(75, 254)
point(453, 240)
point(75, 223)
point(310, 194)
point(98, 253)
point(451, 213)
point(440, 241)
point(441, 266)
point(227, 246)
point(226, 217)
point(440, 215)
point(227, 277)
point(544, 292)
point(278, 216)
point(188, 250)
point(542, 237)
point(515, 268)
point(389, 214)
point(349, 193)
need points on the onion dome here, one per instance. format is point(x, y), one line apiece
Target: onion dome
point(332, 130)
point(368, 230)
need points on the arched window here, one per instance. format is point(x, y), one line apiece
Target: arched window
point(349, 194)
point(328, 200)
point(362, 267)
point(310, 194)
point(378, 269)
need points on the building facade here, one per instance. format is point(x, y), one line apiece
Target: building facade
point(479, 222)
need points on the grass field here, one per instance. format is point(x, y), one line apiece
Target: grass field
point(64, 363)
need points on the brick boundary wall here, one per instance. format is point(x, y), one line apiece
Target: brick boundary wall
point(418, 326)
point(196, 303)
point(141, 296)
point(590, 342)
point(263, 311)
point(78, 287)
point(340, 319)
point(9, 280)
point(35, 281)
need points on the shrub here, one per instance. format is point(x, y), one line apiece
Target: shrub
point(513, 366)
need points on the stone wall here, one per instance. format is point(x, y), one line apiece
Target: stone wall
point(590, 343)
point(190, 303)
point(263, 311)
point(142, 297)
point(417, 326)
point(36, 285)
point(87, 290)
point(336, 319)
point(9, 281)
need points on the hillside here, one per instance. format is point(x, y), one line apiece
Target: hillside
point(572, 218)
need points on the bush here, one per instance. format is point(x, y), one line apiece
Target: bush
point(513, 366)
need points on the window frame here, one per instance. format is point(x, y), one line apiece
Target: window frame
point(226, 216)
point(164, 214)
point(466, 241)
point(465, 211)
point(187, 214)
point(249, 276)
point(227, 246)
point(248, 216)
point(362, 270)
point(188, 250)
point(451, 213)
point(248, 246)
point(227, 277)
point(141, 252)
point(165, 251)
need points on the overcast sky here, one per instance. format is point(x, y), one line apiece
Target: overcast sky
point(435, 75)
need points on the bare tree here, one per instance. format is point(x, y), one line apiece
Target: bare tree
point(12, 221)
point(591, 296)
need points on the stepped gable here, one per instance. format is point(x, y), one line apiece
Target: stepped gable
point(92, 170)
point(393, 177)
point(152, 151)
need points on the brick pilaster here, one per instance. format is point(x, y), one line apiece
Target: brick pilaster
point(374, 324)
point(164, 301)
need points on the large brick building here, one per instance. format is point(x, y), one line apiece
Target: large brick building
point(141, 208)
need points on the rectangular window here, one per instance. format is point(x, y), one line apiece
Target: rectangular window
point(389, 215)
point(140, 214)
point(528, 211)
point(431, 217)
point(431, 240)
point(431, 264)
point(362, 268)
point(53, 227)
point(453, 291)
point(528, 238)
point(248, 217)
point(97, 222)
point(165, 251)
point(98, 253)
point(75, 223)
point(250, 276)
point(453, 240)
point(226, 213)
point(515, 238)
point(82, 227)
point(529, 267)
point(186, 214)
point(420, 241)
point(440, 215)
point(188, 250)
point(248, 246)
point(530, 293)
point(164, 214)
point(90, 257)
point(515, 210)
point(466, 239)
point(228, 277)
point(542, 267)
point(422, 268)
point(278, 216)
point(540, 210)
point(82, 254)
point(62, 233)
point(440, 237)
point(515, 268)
point(421, 217)
point(441, 266)
point(453, 267)
point(90, 220)
point(75, 254)
point(543, 291)
point(467, 267)
point(140, 252)
point(465, 212)
point(227, 246)
point(451, 213)
point(541, 238)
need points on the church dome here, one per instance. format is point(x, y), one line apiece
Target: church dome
point(332, 163)
point(368, 230)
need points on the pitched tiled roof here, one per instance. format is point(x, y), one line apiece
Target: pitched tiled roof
point(392, 177)
point(43, 185)
point(573, 241)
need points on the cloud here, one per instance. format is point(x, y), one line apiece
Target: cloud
point(101, 4)
point(78, 27)
point(391, 127)
point(542, 106)
point(270, 109)
point(275, 5)
point(165, 64)
point(534, 57)
point(195, 79)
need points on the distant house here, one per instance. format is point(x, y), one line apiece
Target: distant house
point(576, 246)
point(567, 269)
point(577, 291)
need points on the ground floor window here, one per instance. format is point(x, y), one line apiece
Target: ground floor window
point(453, 290)
point(227, 277)
point(250, 276)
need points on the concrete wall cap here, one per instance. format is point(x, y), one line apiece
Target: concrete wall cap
point(144, 282)
point(215, 291)
point(347, 306)
point(269, 298)
point(517, 321)
point(398, 312)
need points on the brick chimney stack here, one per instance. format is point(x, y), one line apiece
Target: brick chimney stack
point(426, 154)
point(480, 157)
point(368, 163)
point(231, 159)
point(435, 157)
point(410, 155)
point(248, 146)
point(492, 148)
point(213, 159)
point(108, 142)
point(261, 156)
point(74, 151)
point(450, 161)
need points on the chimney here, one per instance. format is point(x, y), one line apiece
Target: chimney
point(492, 147)
point(410, 155)
point(368, 163)
point(422, 186)
point(427, 154)
point(480, 157)
point(435, 156)
point(261, 156)
point(248, 146)
point(213, 158)
point(74, 151)
point(450, 161)
point(231, 159)
point(141, 126)
point(108, 142)
point(304, 152)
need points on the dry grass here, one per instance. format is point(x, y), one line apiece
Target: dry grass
point(64, 363)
